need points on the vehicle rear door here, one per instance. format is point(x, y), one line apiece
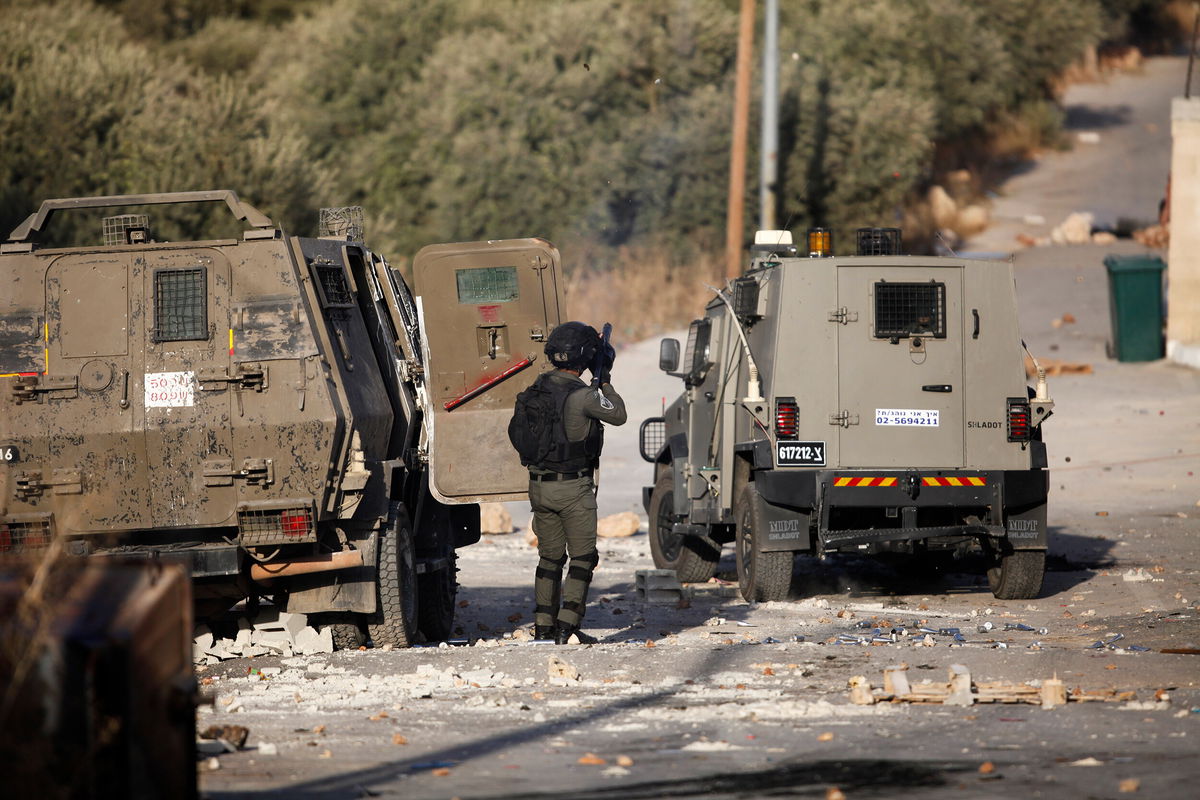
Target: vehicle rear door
point(185, 390)
point(900, 366)
point(485, 309)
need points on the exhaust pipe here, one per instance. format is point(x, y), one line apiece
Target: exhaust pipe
point(324, 562)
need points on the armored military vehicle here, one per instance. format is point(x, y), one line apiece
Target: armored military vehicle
point(280, 413)
point(874, 403)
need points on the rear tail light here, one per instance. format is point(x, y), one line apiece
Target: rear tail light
point(1019, 427)
point(787, 418)
point(296, 523)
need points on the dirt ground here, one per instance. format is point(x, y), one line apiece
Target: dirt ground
point(715, 697)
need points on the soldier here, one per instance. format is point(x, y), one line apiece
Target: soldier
point(562, 492)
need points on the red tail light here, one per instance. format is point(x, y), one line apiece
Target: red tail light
point(295, 523)
point(1019, 428)
point(787, 418)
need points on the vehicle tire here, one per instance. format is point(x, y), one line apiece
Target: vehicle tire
point(761, 576)
point(1017, 575)
point(435, 602)
point(395, 621)
point(694, 558)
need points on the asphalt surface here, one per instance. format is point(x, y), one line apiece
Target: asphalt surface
point(729, 701)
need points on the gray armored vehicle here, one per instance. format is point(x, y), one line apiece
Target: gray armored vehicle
point(874, 403)
point(280, 413)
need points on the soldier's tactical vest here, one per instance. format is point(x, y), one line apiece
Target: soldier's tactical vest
point(538, 428)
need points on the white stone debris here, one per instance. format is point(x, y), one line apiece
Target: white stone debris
point(271, 632)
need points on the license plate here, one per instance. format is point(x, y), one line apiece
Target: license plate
point(9, 454)
point(807, 454)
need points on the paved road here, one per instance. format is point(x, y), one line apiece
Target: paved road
point(716, 708)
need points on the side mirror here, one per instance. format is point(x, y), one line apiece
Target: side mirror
point(668, 355)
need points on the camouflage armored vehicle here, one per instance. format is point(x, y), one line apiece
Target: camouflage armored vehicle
point(874, 403)
point(283, 414)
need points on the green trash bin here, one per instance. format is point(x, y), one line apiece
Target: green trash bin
point(1135, 303)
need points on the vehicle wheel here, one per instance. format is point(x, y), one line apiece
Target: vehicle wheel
point(694, 558)
point(395, 621)
point(435, 604)
point(1017, 575)
point(761, 576)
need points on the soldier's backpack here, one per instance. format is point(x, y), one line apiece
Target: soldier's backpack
point(536, 428)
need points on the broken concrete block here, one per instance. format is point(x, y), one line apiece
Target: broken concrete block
point(310, 641)
point(618, 526)
point(266, 638)
point(204, 637)
point(658, 586)
point(960, 687)
point(860, 691)
point(293, 623)
point(557, 668)
point(895, 680)
point(494, 519)
point(1054, 693)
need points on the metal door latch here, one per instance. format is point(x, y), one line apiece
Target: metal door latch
point(843, 316)
point(844, 419)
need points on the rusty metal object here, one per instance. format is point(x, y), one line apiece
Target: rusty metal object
point(323, 562)
point(97, 693)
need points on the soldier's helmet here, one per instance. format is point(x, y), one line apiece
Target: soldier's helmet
point(572, 345)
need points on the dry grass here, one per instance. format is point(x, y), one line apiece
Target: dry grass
point(647, 291)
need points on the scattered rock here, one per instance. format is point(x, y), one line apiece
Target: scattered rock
point(268, 749)
point(1075, 229)
point(494, 519)
point(972, 219)
point(1156, 236)
point(1104, 238)
point(557, 668)
point(233, 734)
point(618, 526)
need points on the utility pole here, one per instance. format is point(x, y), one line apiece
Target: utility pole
point(769, 163)
point(737, 150)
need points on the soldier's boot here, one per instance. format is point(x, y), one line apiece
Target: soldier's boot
point(547, 588)
point(564, 633)
point(575, 591)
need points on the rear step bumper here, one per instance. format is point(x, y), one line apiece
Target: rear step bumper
point(898, 488)
point(1016, 498)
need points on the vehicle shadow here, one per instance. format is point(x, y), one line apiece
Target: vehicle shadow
point(1071, 559)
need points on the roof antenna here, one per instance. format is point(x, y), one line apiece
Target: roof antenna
point(945, 244)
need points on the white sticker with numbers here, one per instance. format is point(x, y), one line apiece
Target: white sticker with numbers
point(170, 389)
point(907, 417)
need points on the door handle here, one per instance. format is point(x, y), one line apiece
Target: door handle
point(937, 387)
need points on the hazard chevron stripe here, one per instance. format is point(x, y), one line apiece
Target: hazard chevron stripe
point(866, 481)
point(961, 481)
point(877, 480)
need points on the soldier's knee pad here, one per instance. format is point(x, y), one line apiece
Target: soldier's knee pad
point(583, 566)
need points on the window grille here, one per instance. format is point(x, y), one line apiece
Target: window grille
point(180, 304)
point(910, 309)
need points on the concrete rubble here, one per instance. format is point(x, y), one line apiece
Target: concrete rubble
point(271, 633)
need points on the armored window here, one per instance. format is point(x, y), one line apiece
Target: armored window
point(332, 280)
point(910, 309)
point(696, 355)
point(487, 285)
point(180, 304)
